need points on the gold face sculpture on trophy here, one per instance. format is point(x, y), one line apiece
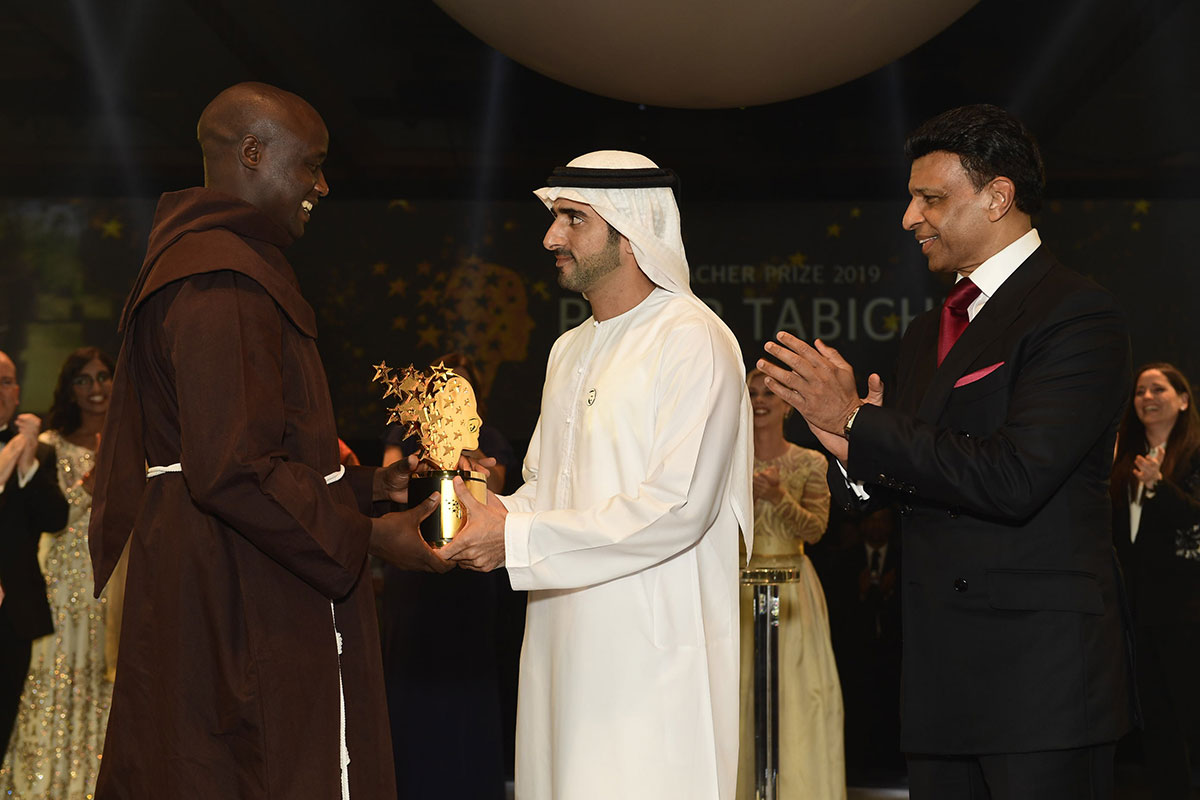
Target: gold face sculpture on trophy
point(439, 408)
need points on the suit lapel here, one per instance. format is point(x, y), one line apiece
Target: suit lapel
point(999, 314)
point(918, 361)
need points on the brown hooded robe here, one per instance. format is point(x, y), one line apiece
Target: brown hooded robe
point(228, 679)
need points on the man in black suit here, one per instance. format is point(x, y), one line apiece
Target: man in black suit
point(861, 588)
point(30, 502)
point(997, 448)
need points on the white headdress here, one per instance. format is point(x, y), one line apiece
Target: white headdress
point(632, 194)
point(636, 196)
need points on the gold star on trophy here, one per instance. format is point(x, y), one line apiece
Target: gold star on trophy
point(439, 408)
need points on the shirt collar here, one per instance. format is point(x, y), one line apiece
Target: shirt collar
point(993, 272)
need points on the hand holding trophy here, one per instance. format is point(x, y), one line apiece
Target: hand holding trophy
point(439, 408)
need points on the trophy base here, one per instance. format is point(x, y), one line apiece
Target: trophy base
point(448, 518)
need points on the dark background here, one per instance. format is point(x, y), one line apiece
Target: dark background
point(436, 141)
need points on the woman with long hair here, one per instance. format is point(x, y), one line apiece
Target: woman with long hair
point(791, 509)
point(55, 748)
point(1156, 528)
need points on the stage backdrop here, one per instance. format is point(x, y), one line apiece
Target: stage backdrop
point(406, 280)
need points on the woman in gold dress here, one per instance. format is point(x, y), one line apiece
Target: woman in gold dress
point(55, 749)
point(791, 509)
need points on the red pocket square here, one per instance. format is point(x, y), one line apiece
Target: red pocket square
point(971, 377)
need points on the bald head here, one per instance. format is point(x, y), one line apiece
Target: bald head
point(265, 146)
point(246, 109)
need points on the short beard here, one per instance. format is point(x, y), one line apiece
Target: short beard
point(590, 269)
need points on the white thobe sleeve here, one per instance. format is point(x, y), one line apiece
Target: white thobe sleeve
point(523, 499)
point(696, 403)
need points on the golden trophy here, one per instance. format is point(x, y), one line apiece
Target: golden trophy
point(438, 407)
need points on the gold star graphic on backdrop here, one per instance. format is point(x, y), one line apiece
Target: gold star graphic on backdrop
point(400, 323)
point(379, 268)
point(833, 230)
point(1135, 226)
point(797, 259)
point(398, 286)
point(429, 297)
point(112, 229)
point(429, 336)
point(1141, 206)
point(855, 213)
point(891, 322)
point(401, 204)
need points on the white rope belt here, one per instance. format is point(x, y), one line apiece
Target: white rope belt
point(154, 472)
point(344, 751)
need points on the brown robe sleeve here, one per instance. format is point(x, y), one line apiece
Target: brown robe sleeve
point(226, 338)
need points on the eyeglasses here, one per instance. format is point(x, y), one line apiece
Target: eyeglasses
point(87, 380)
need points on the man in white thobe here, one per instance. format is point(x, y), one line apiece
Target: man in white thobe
point(625, 532)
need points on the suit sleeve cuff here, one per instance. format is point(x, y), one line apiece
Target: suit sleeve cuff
point(854, 486)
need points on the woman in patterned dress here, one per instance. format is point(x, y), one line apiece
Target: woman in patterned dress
point(791, 509)
point(55, 749)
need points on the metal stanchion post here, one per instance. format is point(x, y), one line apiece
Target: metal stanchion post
point(765, 584)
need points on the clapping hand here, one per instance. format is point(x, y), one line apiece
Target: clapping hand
point(28, 426)
point(766, 485)
point(1148, 470)
point(820, 385)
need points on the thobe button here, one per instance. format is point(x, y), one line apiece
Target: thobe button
point(960, 584)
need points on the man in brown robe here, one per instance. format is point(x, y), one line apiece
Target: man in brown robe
point(250, 663)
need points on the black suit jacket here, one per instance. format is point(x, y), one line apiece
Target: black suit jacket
point(1013, 639)
point(24, 515)
point(1162, 566)
point(855, 619)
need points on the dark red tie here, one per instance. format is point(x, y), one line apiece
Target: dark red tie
point(954, 315)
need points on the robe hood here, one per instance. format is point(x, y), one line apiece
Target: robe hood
point(249, 242)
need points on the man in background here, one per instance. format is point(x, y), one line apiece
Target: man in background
point(30, 503)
